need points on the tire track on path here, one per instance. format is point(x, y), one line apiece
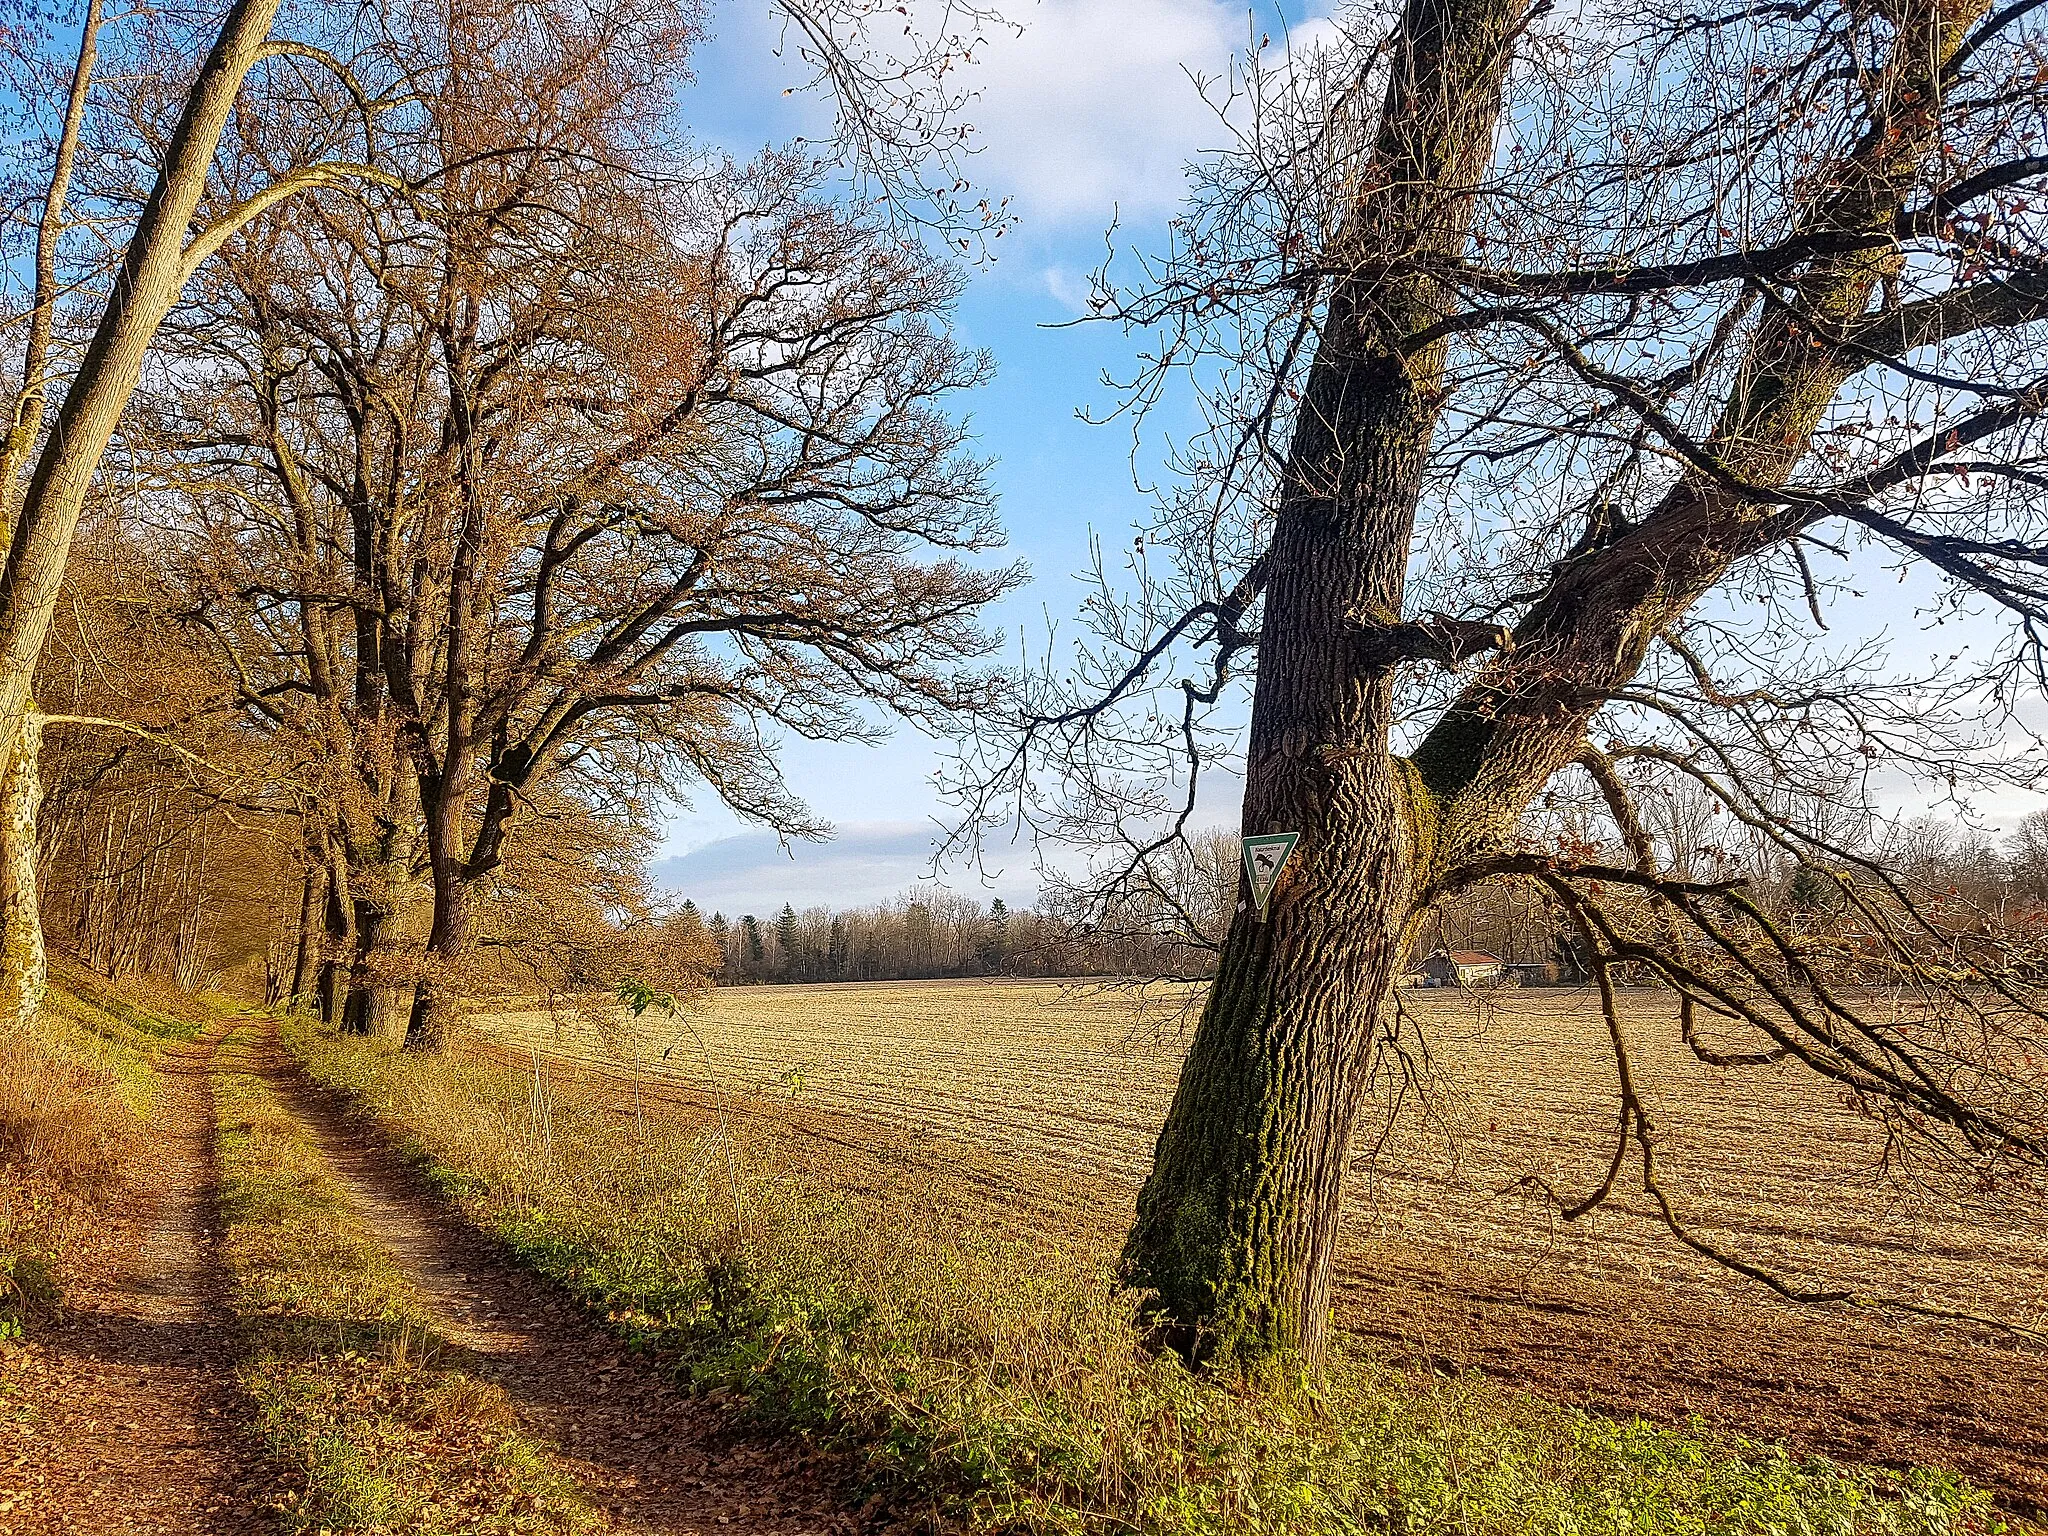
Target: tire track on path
point(135, 1416)
point(653, 1458)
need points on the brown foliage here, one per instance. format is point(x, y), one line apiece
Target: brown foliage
point(541, 476)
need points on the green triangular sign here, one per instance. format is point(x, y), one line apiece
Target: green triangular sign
point(1264, 858)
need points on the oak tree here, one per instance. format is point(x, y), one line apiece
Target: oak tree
point(576, 468)
point(1562, 373)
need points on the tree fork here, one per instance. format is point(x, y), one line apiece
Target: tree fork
point(1237, 1222)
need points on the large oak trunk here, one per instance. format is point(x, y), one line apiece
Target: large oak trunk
point(1237, 1226)
point(1237, 1223)
point(435, 999)
point(360, 1011)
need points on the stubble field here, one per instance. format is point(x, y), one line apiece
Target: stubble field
point(1040, 1102)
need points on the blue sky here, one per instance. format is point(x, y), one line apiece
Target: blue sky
point(1089, 116)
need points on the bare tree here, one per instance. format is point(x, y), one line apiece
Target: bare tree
point(1545, 358)
point(160, 239)
point(2028, 854)
point(576, 473)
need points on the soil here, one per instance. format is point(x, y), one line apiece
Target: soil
point(1863, 1388)
point(125, 1414)
point(652, 1457)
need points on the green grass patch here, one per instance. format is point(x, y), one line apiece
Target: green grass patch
point(354, 1389)
point(1002, 1379)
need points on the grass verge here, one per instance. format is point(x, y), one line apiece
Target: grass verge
point(76, 1093)
point(1001, 1379)
point(353, 1388)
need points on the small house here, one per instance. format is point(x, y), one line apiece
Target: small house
point(1461, 968)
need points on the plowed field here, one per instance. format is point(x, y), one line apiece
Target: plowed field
point(1045, 1100)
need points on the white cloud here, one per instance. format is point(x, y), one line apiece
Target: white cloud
point(863, 863)
point(1070, 289)
point(1092, 110)
point(1088, 111)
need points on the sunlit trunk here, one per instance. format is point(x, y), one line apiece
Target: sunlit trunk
point(145, 285)
point(379, 993)
point(24, 968)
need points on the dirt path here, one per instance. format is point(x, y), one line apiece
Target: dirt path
point(131, 1419)
point(655, 1459)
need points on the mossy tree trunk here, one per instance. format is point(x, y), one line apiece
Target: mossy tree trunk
point(1237, 1222)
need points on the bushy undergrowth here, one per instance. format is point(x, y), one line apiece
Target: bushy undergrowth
point(75, 1094)
point(352, 1387)
point(1002, 1377)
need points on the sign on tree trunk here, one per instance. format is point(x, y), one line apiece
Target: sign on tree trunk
point(1264, 858)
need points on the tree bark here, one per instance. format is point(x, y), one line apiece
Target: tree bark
point(436, 999)
point(339, 942)
point(305, 957)
point(377, 994)
point(24, 968)
point(1237, 1222)
point(358, 1012)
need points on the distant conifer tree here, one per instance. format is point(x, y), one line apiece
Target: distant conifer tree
point(785, 940)
point(994, 947)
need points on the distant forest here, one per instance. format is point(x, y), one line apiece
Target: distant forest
point(923, 934)
point(1966, 881)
